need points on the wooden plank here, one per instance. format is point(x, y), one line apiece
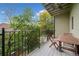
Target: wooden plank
point(55, 10)
point(46, 51)
point(68, 49)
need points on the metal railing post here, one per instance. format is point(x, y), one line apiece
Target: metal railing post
point(3, 42)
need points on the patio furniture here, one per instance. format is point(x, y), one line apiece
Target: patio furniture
point(50, 34)
point(67, 38)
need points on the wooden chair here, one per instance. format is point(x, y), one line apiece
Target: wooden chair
point(50, 34)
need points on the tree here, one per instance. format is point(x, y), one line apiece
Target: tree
point(45, 21)
point(9, 13)
point(22, 21)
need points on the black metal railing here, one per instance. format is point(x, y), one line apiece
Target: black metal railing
point(2, 42)
point(19, 42)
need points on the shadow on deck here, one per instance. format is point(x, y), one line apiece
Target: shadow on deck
point(44, 50)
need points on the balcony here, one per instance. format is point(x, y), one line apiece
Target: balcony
point(23, 44)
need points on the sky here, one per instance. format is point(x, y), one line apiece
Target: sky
point(19, 7)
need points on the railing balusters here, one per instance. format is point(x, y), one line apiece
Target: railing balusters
point(9, 44)
point(39, 37)
point(18, 42)
point(25, 42)
point(28, 44)
point(14, 42)
point(22, 41)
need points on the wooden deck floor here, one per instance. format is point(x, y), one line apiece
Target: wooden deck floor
point(44, 50)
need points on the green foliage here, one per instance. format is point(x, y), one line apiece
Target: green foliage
point(27, 15)
point(22, 21)
point(46, 21)
point(33, 39)
point(28, 36)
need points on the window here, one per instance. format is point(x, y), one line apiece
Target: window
point(72, 23)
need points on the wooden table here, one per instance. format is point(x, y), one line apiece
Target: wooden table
point(67, 38)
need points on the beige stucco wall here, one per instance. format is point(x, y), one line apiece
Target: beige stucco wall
point(75, 14)
point(61, 24)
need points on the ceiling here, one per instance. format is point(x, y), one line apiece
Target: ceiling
point(58, 8)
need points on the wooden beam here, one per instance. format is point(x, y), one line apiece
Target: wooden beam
point(52, 9)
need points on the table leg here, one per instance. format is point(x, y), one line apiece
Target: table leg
point(77, 50)
point(60, 46)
